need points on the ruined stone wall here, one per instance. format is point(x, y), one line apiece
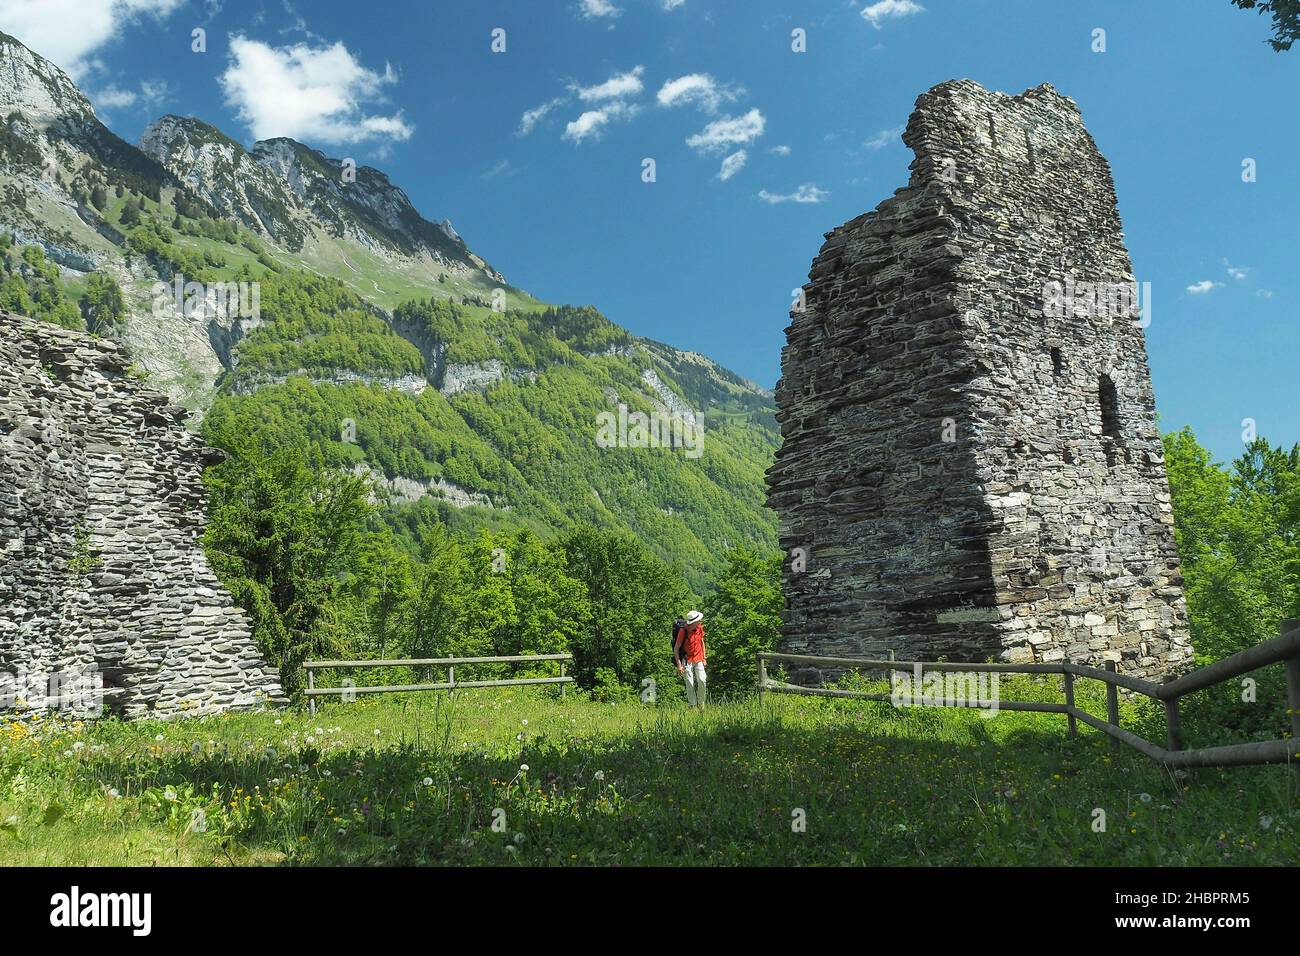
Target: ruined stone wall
point(101, 507)
point(969, 474)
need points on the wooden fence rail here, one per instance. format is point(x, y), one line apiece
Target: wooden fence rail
point(1282, 649)
point(451, 663)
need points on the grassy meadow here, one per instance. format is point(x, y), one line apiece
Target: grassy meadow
point(525, 778)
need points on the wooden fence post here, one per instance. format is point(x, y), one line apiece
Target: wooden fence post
point(762, 676)
point(1293, 700)
point(1174, 724)
point(311, 685)
point(451, 679)
point(563, 687)
point(1069, 702)
point(1112, 703)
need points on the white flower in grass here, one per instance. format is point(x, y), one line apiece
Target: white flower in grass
point(523, 767)
point(112, 792)
point(78, 746)
point(158, 737)
point(277, 722)
point(600, 775)
point(311, 740)
point(169, 794)
point(1265, 822)
point(320, 730)
point(1144, 797)
point(519, 839)
point(524, 722)
point(428, 781)
point(376, 731)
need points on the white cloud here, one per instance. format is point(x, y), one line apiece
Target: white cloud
point(1202, 287)
point(68, 31)
point(672, 4)
point(530, 119)
point(1265, 293)
point(591, 9)
point(609, 101)
point(588, 124)
point(153, 92)
point(781, 150)
point(725, 133)
point(308, 93)
point(698, 88)
point(733, 164)
point(884, 138)
point(150, 94)
point(806, 193)
point(1237, 272)
point(503, 168)
point(591, 123)
point(617, 87)
point(890, 9)
point(114, 98)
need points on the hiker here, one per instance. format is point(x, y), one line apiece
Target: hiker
point(690, 655)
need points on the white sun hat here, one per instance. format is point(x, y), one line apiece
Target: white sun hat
point(694, 617)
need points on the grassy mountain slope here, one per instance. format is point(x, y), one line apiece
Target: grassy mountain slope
point(473, 403)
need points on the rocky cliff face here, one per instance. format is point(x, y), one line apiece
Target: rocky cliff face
point(289, 192)
point(970, 466)
point(101, 572)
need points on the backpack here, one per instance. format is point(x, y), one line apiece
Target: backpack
point(679, 625)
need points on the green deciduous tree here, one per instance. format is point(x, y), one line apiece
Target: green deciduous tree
point(1286, 19)
point(102, 305)
point(282, 536)
point(742, 617)
point(634, 598)
point(1238, 533)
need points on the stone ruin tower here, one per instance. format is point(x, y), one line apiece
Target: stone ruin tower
point(970, 465)
point(101, 572)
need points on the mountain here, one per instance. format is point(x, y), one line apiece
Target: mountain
point(293, 195)
point(378, 339)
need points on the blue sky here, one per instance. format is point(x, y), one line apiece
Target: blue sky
point(1184, 92)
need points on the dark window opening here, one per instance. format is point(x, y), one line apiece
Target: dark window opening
point(993, 133)
point(1058, 362)
point(1110, 425)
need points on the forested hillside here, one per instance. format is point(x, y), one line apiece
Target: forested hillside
point(378, 342)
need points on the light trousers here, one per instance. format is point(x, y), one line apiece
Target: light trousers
point(696, 684)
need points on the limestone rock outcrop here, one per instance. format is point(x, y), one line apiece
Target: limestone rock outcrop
point(970, 466)
point(101, 572)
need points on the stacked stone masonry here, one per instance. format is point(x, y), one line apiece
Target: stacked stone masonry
point(968, 471)
point(101, 571)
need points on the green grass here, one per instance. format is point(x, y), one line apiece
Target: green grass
point(421, 780)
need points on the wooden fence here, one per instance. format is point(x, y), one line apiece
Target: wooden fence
point(1282, 649)
point(451, 663)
